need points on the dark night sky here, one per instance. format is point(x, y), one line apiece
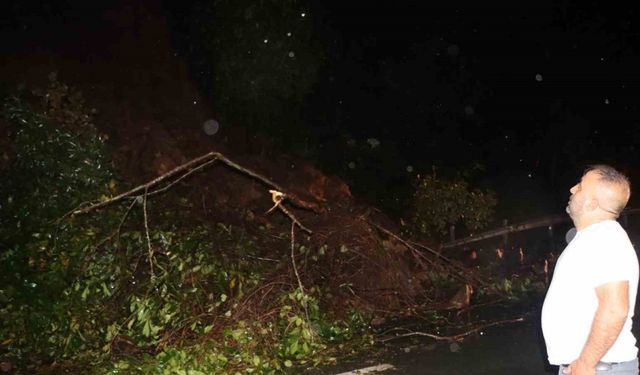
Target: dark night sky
point(586, 60)
point(558, 81)
point(539, 90)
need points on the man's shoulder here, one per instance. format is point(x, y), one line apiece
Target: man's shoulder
point(607, 236)
point(606, 228)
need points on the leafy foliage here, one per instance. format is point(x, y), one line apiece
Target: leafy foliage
point(53, 168)
point(439, 203)
point(101, 291)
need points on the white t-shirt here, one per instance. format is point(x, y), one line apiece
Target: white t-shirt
point(598, 254)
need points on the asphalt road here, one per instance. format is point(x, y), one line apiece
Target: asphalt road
point(514, 349)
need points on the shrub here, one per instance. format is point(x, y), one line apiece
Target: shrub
point(439, 203)
point(89, 290)
point(53, 166)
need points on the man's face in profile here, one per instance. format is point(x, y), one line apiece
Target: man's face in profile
point(581, 193)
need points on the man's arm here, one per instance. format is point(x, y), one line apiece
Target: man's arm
point(613, 307)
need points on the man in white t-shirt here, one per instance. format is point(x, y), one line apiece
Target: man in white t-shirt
point(586, 317)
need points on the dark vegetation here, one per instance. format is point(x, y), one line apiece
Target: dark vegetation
point(199, 278)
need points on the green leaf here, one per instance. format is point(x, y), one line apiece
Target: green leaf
point(146, 330)
point(293, 349)
point(105, 290)
point(237, 334)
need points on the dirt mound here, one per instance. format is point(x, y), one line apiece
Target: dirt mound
point(354, 261)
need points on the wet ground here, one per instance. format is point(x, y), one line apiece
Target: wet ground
point(516, 349)
point(512, 349)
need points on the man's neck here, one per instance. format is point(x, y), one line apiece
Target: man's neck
point(585, 222)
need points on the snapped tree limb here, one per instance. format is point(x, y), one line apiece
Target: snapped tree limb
point(183, 171)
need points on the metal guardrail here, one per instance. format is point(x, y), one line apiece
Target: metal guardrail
point(548, 221)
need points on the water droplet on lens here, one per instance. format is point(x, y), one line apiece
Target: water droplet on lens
point(210, 127)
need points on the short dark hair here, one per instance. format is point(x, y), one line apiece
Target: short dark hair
point(610, 175)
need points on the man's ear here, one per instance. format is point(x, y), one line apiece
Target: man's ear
point(592, 204)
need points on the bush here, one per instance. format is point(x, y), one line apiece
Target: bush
point(107, 294)
point(439, 203)
point(52, 168)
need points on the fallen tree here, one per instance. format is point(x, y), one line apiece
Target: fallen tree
point(190, 266)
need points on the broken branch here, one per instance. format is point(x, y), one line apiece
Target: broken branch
point(191, 167)
point(457, 337)
point(457, 271)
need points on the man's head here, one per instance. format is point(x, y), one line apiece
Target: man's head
point(601, 194)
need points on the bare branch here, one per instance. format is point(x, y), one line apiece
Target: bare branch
point(295, 270)
point(191, 167)
point(457, 271)
point(294, 219)
point(457, 337)
point(146, 229)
